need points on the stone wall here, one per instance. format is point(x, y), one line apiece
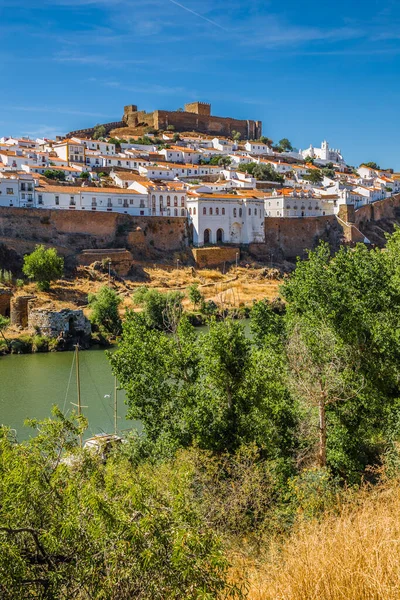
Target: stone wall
point(216, 256)
point(72, 231)
point(53, 323)
point(20, 310)
point(121, 259)
point(287, 238)
point(89, 131)
point(193, 121)
point(5, 300)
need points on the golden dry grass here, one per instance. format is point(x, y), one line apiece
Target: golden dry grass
point(351, 556)
point(235, 288)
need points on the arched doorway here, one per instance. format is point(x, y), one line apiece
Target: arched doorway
point(220, 236)
point(207, 236)
point(236, 233)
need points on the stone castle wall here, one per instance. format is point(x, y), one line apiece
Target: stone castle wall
point(288, 238)
point(193, 121)
point(73, 231)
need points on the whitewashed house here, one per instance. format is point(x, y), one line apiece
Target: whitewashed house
point(228, 219)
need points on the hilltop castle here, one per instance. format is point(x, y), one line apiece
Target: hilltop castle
point(196, 116)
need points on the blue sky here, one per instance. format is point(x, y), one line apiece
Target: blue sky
point(309, 70)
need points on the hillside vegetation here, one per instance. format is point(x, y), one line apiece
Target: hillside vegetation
point(268, 464)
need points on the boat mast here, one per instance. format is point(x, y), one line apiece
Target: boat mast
point(115, 405)
point(78, 387)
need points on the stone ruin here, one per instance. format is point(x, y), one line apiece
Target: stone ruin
point(5, 302)
point(19, 310)
point(66, 323)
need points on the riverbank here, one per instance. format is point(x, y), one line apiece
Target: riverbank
point(230, 293)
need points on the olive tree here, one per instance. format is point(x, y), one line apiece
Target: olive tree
point(43, 266)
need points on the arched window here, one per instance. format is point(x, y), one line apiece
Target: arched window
point(211, 210)
point(223, 210)
point(161, 199)
point(234, 212)
point(175, 200)
point(255, 211)
point(175, 212)
point(168, 212)
point(217, 211)
point(168, 200)
point(153, 198)
point(190, 211)
point(240, 212)
point(220, 235)
point(194, 210)
point(249, 212)
point(182, 212)
point(183, 201)
point(207, 236)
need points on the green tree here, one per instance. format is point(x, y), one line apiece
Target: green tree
point(176, 138)
point(355, 295)
point(224, 161)
point(217, 390)
point(267, 141)
point(371, 165)
point(54, 174)
point(314, 176)
point(261, 171)
point(116, 142)
point(331, 173)
point(285, 145)
point(171, 128)
point(105, 310)
point(160, 311)
point(99, 132)
point(195, 296)
point(214, 160)
point(84, 528)
point(309, 161)
point(84, 175)
point(236, 135)
point(43, 266)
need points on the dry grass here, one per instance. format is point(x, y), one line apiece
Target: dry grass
point(353, 556)
point(235, 288)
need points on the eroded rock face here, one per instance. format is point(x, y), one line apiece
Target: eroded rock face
point(64, 323)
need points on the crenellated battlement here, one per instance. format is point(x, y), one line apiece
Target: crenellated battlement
point(195, 117)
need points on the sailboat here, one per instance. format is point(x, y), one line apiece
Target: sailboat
point(102, 443)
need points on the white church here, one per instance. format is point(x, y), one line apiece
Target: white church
point(324, 154)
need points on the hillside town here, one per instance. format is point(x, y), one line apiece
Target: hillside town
point(225, 186)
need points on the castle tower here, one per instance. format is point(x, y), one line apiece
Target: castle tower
point(199, 108)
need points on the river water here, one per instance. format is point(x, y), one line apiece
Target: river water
point(30, 384)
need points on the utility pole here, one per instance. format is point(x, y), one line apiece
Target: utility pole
point(177, 263)
point(109, 273)
point(237, 259)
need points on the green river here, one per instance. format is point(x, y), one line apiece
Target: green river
point(30, 384)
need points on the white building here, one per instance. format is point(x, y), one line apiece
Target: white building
point(300, 204)
point(323, 154)
point(70, 150)
point(93, 199)
point(104, 148)
point(257, 148)
point(226, 219)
